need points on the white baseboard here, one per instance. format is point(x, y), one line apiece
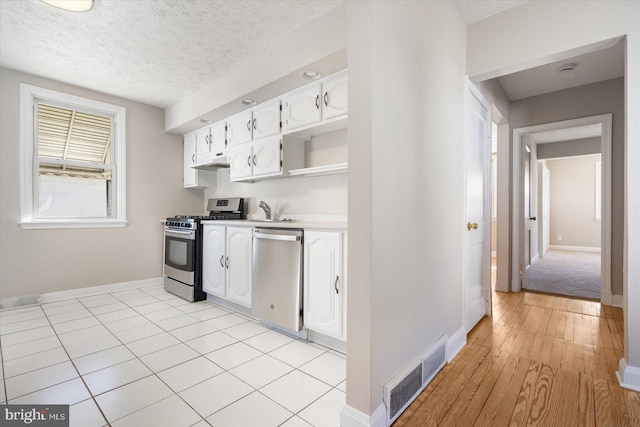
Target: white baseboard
point(351, 417)
point(535, 258)
point(616, 300)
point(97, 290)
point(455, 343)
point(628, 376)
point(574, 248)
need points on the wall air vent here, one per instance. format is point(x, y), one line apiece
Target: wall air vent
point(405, 387)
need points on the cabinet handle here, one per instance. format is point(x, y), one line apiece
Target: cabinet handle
point(226, 263)
point(254, 124)
point(318, 102)
point(221, 261)
point(193, 158)
point(249, 161)
point(249, 125)
point(326, 99)
point(335, 284)
point(207, 139)
point(254, 160)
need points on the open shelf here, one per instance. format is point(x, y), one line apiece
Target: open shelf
point(320, 170)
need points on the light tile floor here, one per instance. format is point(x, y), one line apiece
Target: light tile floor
point(145, 357)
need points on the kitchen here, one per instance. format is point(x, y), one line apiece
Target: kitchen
point(388, 325)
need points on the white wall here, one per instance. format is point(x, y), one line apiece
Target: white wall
point(321, 197)
point(39, 261)
point(573, 202)
point(535, 33)
point(406, 150)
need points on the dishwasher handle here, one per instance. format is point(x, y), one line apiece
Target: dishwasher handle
point(276, 237)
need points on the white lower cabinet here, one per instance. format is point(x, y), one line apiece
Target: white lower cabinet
point(324, 283)
point(226, 262)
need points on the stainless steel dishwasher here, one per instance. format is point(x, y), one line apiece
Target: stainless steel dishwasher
point(277, 276)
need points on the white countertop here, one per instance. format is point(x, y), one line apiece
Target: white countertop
point(307, 224)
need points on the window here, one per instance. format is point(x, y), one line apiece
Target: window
point(72, 159)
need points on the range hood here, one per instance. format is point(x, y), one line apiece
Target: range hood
point(221, 161)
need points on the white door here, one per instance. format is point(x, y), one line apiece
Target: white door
point(218, 137)
point(478, 196)
point(239, 128)
point(239, 256)
point(213, 259)
point(301, 108)
point(323, 282)
point(527, 193)
point(190, 175)
point(266, 157)
point(266, 120)
point(546, 207)
point(241, 162)
point(335, 97)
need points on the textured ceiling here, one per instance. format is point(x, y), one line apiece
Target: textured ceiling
point(152, 51)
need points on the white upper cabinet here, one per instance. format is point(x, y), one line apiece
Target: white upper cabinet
point(301, 108)
point(335, 96)
point(218, 138)
point(240, 162)
point(267, 157)
point(266, 120)
point(190, 178)
point(239, 128)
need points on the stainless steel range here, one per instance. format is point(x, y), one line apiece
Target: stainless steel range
point(183, 247)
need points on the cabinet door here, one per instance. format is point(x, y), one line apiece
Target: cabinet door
point(266, 157)
point(266, 120)
point(241, 164)
point(239, 253)
point(213, 260)
point(239, 128)
point(190, 175)
point(335, 97)
point(301, 108)
point(203, 143)
point(323, 282)
point(218, 137)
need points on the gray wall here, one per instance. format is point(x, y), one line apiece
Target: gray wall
point(40, 261)
point(589, 100)
point(576, 147)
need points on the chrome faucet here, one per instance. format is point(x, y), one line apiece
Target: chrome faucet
point(267, 210)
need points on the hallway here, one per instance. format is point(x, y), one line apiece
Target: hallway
point(539, 360)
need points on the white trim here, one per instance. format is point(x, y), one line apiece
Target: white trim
point(494, 254)
point(628, 376)
point(616, 300)
point(575, 248)
point(351, 417)
point(535, 258)
point(27, 95)
point(67, 223)
point(605, 120)
point(455, 343)
point(98, 290)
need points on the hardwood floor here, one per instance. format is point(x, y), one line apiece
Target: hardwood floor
point(539, 360)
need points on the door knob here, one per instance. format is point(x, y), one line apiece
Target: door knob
point(472, 225)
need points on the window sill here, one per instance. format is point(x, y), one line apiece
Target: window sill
point(66, 223)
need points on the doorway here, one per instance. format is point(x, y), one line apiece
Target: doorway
point(528, 250)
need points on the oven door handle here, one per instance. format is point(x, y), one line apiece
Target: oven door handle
point(179, 233)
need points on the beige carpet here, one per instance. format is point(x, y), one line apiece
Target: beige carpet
point(571, 273)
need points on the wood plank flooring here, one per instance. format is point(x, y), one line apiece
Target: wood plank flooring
point(539, 360)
